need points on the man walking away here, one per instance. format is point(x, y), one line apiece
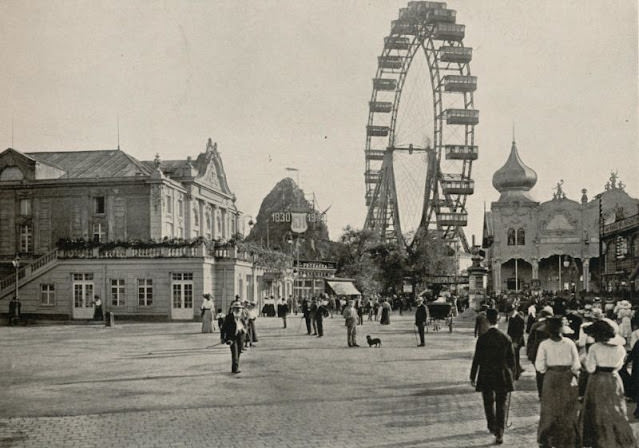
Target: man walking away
point(350, 316)
point(491, 374)
point(481, 323)
point(421, 316)
point(515, 330)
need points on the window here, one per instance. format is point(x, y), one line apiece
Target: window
point(169, 205)
point(98, 205)
point(145, 292)
point(83, 290)
point(182, 286)
point(169, 229)
point(180, 232)
point(25, 207)
point(180, 208)
point(521, 237)
point(26, 238)
point(196, 217)
point(118, 293)
point(511, 237)
point(47, 294)
point(98, 233)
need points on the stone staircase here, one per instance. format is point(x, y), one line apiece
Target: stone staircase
point(27, 273)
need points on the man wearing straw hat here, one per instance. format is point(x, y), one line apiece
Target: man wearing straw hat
point(232, 332)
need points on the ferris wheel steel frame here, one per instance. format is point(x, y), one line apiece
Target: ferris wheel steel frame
point(420, 26)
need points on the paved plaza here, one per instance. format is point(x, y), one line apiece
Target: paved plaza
point(168, 385)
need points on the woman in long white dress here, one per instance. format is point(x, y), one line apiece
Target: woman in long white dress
point(558, 360)
point(604, 414)
point(207, 314)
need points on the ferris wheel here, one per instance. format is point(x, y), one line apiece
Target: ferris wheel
point(420, 135)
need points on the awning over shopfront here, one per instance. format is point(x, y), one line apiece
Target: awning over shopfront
point(343, 288)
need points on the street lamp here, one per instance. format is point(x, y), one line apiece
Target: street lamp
point(16, 264)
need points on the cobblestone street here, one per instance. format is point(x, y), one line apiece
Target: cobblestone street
point(168, 385)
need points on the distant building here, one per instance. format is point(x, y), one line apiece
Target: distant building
point(137, 233)
point(620, 237)
point(552, 245)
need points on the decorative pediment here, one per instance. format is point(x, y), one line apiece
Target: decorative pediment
point(211, 170)
point(559, 223)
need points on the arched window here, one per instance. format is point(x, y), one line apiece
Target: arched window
point(521, 237)
point(511, 237)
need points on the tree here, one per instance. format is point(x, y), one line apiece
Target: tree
point(353, 257)
point(430, 256)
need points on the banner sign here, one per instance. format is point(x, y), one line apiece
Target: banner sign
point(309, 216)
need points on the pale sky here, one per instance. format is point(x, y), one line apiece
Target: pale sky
point(287, 83)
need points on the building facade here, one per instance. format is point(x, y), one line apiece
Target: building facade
point(551, 245)
point(149, 237)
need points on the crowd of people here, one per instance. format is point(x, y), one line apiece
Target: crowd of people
point(580, 351)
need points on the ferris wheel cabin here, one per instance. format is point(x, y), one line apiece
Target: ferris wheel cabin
point(462, 55)
point(461, 152)
point(386, 84)
point(458, 186)
point(377, 131)
point(396, 43)
point(460, 83)
point(391, 62)
point(375, 154)
point(449, 31)
point(462, 116)
point(458, 219)
point(441, 15)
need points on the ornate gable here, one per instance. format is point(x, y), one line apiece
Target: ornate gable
point(210, 169)
point(16, 166)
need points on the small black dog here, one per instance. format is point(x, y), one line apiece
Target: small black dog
point(377, 342)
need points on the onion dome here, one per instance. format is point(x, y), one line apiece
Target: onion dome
point(515, 178)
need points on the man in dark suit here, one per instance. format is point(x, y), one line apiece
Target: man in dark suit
point(282, 310)
point(421, 316)
point(481, 323)
point(232, 333)
point(491, 374)
point(516, 326)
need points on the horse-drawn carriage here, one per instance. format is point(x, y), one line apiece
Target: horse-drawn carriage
point(440, 313)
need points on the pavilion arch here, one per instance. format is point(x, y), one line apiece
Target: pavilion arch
point(559, 272)
point(516, 274)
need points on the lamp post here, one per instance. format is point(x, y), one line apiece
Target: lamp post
point(16, 264)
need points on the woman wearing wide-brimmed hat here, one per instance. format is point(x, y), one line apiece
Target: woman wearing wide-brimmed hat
point(624, 314)
point(558, 360)
point(603, 417)
point(207, 308)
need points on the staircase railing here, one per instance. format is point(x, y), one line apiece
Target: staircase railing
point(8, 283)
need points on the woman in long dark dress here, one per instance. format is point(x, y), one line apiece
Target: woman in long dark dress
point(386, 309)
point(604, 420)
point(558, 359)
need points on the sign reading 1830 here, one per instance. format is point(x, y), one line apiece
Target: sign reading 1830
point(289, 216)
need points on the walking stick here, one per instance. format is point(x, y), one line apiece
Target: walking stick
point(508, 425)
point(416, 337)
